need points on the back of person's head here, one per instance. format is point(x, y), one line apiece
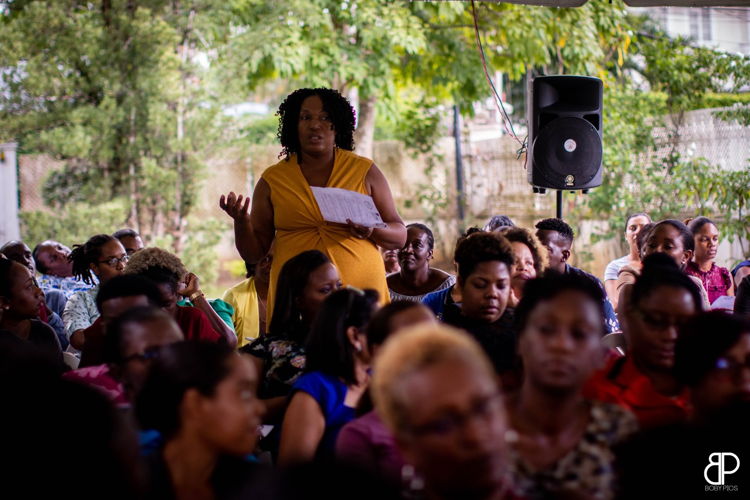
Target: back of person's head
point(481, 247)
point(523, 235)
point(557, 225)
point(178, 368)
point(290, 286)
point(330, 348)
point(550, 285)
point(703, 340)
point(159, 275)
point(149, 258)
point(426, 230)
point(497, 222)
point(128, 285)
point(661, 270)
point(382, 324)
point(118, 330)
point(82, 256)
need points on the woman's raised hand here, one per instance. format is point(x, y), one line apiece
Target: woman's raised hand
point(237, 206)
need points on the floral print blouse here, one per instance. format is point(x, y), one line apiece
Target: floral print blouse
point(588, 468)
point(283, 363)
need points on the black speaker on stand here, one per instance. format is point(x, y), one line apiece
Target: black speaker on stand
point(564, 115)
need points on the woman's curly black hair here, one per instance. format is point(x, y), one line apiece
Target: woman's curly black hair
point(481, 246)
point(339, 110)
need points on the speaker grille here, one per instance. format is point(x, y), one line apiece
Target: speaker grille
point(568, 153)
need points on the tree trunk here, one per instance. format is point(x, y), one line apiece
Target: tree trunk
point(363, 136)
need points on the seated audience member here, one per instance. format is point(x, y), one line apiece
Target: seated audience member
point(436, 301)
point(484, 268)
point(20, 299)
point(716, 280)
point(304, 282)
point(633, 226)
point(739, 272)
point(129, 346)
point(530, 259)
point(563, 442)
point(390, 259)
point(438, 394)
point(54, 430)
point(52, 261)
point(103, 257)
point(198, 320)
point(18, 251)
point(324, 398)
point(365, 443)
point(249, 299)
point(673, 238)
point(201, 397)
point(54, 300)
point(557, 237)
point(416, 278)
point(662, 299)
point(115, 296)
point(497, 223)
point(130, 239)
point(628, 273)
point(712, 358)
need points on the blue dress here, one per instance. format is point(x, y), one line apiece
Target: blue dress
point(329, 392)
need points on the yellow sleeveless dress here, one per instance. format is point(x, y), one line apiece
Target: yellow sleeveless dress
point(300, 226)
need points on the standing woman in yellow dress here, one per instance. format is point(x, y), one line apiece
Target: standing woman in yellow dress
point(316, 129)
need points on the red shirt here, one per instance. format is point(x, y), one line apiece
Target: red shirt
point(621, 383)
point(195, 325)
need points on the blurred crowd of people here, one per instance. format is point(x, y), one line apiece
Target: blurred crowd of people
point(346, 366)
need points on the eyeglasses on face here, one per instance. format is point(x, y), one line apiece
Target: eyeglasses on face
point(115, 260)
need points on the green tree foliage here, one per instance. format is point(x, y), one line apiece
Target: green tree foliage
point(641, 174)
point(402, 55)
point(112, 88)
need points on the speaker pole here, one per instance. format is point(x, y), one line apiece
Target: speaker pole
point(558, 208)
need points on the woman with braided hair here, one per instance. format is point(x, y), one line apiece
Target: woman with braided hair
point(95, 262)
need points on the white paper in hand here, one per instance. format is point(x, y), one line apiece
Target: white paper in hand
point(338, 205)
